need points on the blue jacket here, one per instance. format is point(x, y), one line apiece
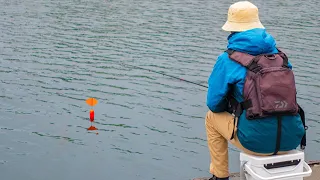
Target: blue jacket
point(255, 135)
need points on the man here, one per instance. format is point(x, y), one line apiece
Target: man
point(257, 137)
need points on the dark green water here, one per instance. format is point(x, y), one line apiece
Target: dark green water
point(54, 54)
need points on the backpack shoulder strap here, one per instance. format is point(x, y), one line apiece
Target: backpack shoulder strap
point(244, 59)
point(240, 57)
point(303, 142)
point(284, 57)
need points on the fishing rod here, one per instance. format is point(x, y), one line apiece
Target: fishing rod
point(158, 72)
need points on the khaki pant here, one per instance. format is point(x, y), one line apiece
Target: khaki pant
point(219, 128)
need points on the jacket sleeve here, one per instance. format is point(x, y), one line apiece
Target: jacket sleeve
point(224, 74)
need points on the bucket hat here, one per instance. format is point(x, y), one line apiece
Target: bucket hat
point(242, 16)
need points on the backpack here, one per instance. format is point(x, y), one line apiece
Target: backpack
point(269, 88)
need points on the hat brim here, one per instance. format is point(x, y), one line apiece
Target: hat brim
point(239, 27)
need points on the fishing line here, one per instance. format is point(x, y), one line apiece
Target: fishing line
point(158, 72)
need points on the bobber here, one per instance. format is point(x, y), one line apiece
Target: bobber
point(91, 102)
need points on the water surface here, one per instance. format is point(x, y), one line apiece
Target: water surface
point(55, 54)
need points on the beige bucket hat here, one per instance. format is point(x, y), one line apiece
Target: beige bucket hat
point(242, 16)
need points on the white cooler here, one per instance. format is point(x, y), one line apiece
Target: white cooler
point(277, 167)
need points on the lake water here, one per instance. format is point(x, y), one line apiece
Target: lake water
point(54, 54)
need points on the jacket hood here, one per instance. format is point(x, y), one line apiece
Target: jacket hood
point(254, 41)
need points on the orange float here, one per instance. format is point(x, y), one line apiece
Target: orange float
point(91, 102)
